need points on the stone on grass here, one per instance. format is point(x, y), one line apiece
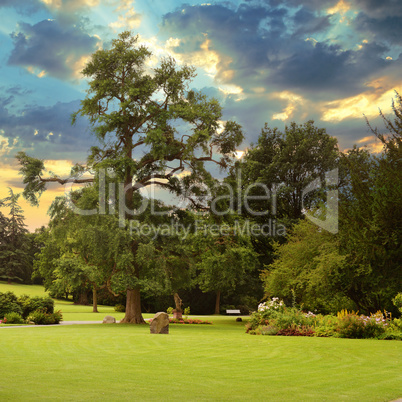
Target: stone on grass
point(109, 320)
point(160, 323)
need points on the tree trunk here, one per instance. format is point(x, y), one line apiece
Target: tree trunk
point(9, 281)
point(218, 302)
point(95, 300)
point(178, 303)
point(133, 308)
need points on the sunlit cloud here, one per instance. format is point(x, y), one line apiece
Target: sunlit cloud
point(293, 100)
point(5, 147)
point(128, 18)
point(59, 167)
point(367, 103)
point(341, 8)
point(70, 5)
point(372, 143)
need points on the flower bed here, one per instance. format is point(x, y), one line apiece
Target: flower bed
point(188, 321)
point(274, 318)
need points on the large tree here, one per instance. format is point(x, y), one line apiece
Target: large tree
point(371, 218)
point(361, 262)
point(223, 261)
point(286, 163)
point(279, 169)
point(150, 128)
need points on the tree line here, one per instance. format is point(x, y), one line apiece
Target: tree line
point(235, 240)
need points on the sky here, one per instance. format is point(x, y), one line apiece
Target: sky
point(266, 61)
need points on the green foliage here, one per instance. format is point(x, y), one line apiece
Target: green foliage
point(169, 310)
point(325, 325)
point(305, 269)
point(150, 129)
point(120, 308)
point(397, 301)
point(351, 325)
point(13, 318)
point(29, 304)
point(24, 305)
point(42, 317)
point(31, 170)
point(223, 262)
point(280, 321)
point(9, 304)
point(273, 318)
point(15, 258)
point(371, 219)
point(286, 163)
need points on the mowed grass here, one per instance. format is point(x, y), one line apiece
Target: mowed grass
point(194, 362)
point(18, 289)
point(217, 362)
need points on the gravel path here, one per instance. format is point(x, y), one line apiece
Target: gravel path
point(55, 325)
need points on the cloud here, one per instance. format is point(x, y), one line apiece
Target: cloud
point(47, 48)
point(379, 9)
point(44, 131)
point(306, 22)
point(69, 12)
point(388, 28)
point(128, 18)
point(24, 7)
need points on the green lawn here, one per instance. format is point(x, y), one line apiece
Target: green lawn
point(18, 289)
point(194, 362)
point(216, 362)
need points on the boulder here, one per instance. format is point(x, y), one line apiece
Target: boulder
point(160, 324)
point(109, 320)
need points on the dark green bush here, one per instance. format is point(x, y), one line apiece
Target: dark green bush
point(14, 318)
point(42, 317)
point(9, 304)
point(31, 304)
point(120, 308)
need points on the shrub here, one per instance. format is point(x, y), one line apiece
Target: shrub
point(170, 310)
point(269, 330)
point(397, 300)
point(325, 325)
point(188, 321)
point(30, 304)
point(42, 317)
point(396, 324)
point(9, 304)
point(120, 308)
point(295, 330)
point(13, 318)
point(274, 318)
point(350, 325)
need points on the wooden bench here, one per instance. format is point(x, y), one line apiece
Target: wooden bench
point(233, 312)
